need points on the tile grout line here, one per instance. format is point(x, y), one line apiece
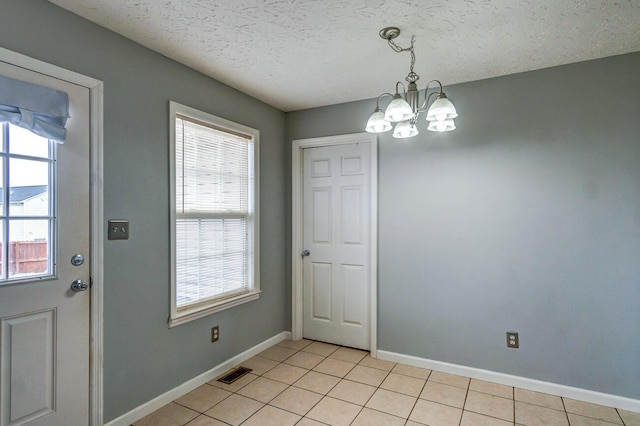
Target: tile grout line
point(466, 396)
point(420, 393)
point(259, 376)
point(565, 411)
point(292, 384)
point(323, 396)
point(262, 375)
point(343, 378)
point(513, 394)
point(325, 357)
point(369, 399)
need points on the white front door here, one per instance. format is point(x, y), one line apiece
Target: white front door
point(336, 272)
point(44, 325)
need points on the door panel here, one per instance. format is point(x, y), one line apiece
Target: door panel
point(44, 325)
point(354, 282)
point(336, 281)
point(351, 209)
point(28, 355)
point(321, 290)
point(321, 211)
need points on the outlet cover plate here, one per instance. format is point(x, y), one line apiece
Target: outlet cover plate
point(512, 340)
point(118, 229)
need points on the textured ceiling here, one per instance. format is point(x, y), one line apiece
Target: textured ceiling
point(296, 54)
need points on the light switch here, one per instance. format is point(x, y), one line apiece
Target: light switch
point(118, 229)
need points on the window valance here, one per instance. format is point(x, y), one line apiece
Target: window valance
point(40, 109)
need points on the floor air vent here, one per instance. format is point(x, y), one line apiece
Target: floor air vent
point(234, 375)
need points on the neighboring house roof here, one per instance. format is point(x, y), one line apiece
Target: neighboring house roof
point(18, 194)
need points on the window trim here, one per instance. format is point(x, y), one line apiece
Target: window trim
point(211, 306)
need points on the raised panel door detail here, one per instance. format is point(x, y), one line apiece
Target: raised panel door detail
point(353, 290)
point(351, 166)
point(336, 272)
point(27, 360)
point(322, 215)
point(351, 205)
point(322, 291)
point(321, 168)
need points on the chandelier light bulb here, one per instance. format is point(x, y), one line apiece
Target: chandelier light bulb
point(377, 123)
point(441, 109)
point(441, 126)
point(405, 129)
point(398, 110)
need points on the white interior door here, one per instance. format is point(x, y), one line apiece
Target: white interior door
point(44, 325)
point(336, 271)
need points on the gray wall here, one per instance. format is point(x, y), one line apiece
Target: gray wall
point(143, 358)
point(526, 218)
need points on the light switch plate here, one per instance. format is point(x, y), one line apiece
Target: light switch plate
point(118, 229)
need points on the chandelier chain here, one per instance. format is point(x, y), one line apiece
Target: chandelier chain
point(412, 77)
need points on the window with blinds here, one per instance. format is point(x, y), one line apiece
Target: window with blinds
point(215, 218)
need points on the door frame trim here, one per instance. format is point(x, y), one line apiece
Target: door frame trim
point(297, 201)
point(96, 215)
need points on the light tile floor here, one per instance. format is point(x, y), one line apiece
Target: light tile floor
point(307, 383)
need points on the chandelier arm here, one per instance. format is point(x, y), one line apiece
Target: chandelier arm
point(379, 97)
point(404, 89)
point(435, 81)
point(423, 107)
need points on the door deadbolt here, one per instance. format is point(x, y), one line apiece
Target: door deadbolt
point(77, 259)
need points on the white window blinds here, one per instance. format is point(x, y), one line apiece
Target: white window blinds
point(214, 202)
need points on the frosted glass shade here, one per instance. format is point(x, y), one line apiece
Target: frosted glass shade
point(377, 123)
point(441, 109)
point(405, 129)
point(398, 110)
point(441, 126)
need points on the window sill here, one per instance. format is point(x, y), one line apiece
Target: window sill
point(198, 312)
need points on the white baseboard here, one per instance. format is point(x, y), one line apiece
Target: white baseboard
point(516, 381)
point(175, 393)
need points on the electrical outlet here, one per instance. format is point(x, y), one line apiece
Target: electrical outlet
point(215, 334)
point(512, 340)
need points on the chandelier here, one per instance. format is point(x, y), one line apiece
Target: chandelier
point(403, 110)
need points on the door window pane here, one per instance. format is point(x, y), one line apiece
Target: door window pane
point(24, 142)
point(29, 192)
point(2, 222)
point(28, 248)
point(2, 212)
